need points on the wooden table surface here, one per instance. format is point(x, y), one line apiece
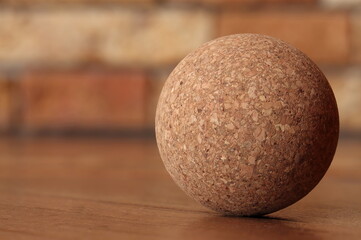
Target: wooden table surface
point(118, 189)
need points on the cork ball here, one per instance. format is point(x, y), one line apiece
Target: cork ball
point(247, 125)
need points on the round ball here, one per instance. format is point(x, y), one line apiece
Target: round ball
point(247, 124)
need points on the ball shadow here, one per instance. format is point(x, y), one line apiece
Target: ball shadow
point(260, 227)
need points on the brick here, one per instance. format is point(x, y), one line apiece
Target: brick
point(155, 87)
point(116, 36)
point(248, 2)
point(356, 38)
point(49, 2)
point(5, 103)
point(83, 99)
point(340, 3)
point(324, 36)
point(346, 85)
point(211, 2)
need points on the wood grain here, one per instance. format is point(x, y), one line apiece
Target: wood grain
point(119, 189)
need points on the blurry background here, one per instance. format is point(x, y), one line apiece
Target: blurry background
point(97, 66)
point(92, 70)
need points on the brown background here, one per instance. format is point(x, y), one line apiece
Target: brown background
point(98, 65)
point(93, 69)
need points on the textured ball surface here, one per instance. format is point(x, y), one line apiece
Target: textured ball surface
point(247, 124)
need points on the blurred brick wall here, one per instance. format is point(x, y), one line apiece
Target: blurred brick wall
point(69, 65)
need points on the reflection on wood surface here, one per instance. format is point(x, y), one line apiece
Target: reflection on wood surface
point(119, 189)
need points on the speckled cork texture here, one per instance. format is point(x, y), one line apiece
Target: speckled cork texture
point(247, 125)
